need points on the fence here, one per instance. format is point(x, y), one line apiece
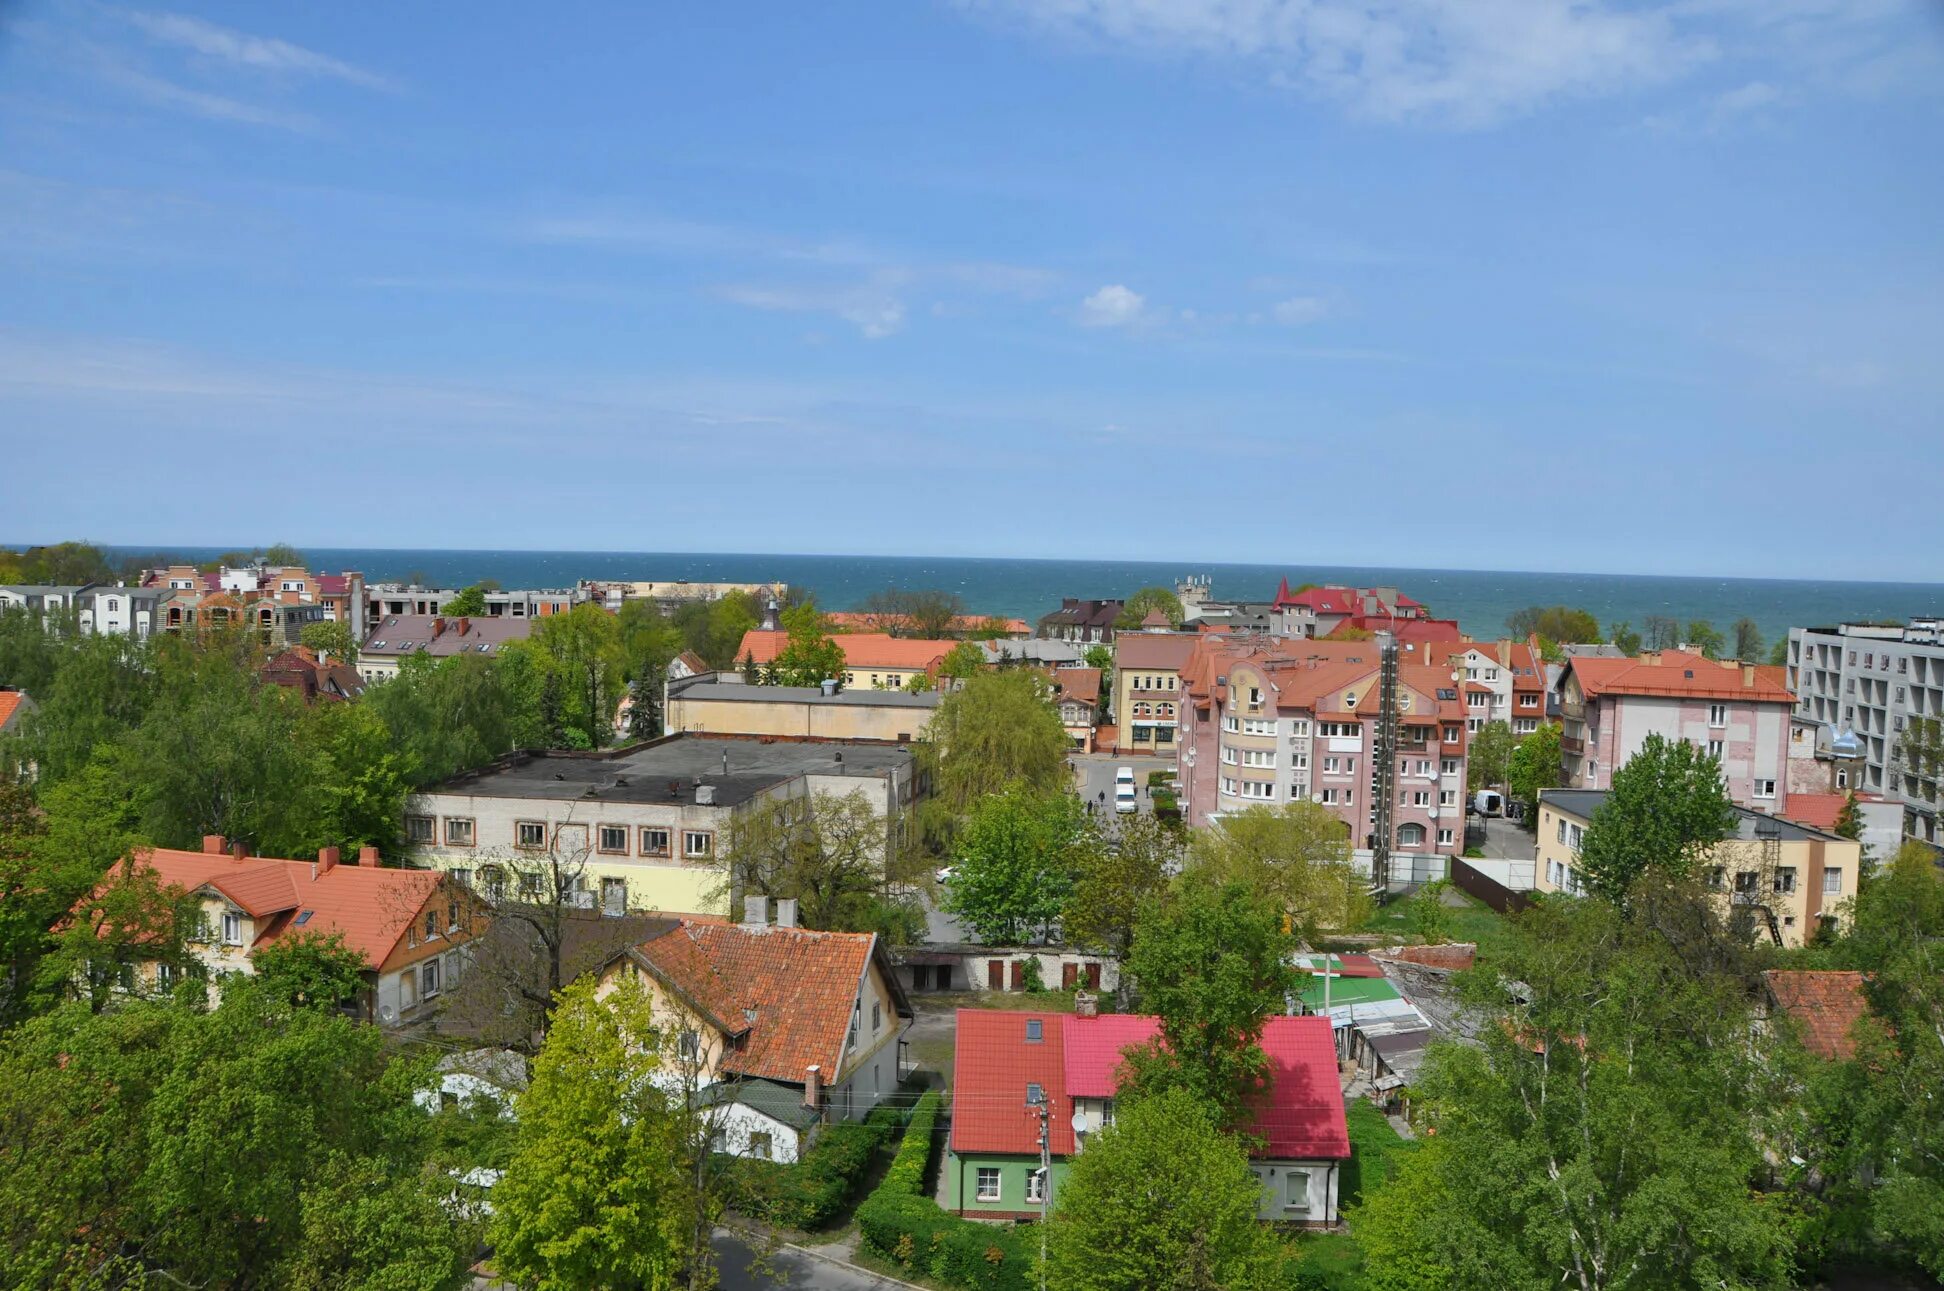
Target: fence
point(1487, 889)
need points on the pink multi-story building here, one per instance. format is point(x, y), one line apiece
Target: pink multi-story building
point(1736, 711)
point(1267, 721)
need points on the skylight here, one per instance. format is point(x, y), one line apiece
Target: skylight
point(1034, 1031)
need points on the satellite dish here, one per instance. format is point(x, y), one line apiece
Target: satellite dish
point(386, 1013)
point(1079, 1121)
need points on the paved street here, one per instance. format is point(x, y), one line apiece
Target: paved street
point(1094, 779)
point(1507, 840)
point(744, 1268)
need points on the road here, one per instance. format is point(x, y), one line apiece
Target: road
point(743, 1268)
point(1094, 779)
point(1507, 840)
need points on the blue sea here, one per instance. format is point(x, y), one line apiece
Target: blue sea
point(1479, 599)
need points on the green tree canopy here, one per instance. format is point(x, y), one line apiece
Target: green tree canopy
point(580, 651)
point(827, 851)
point(1296, 857)
point(998, 731)
point(1533, 765)
point(1489, 760)
point(1162, 1198)
point(1145, 602)
point(470, 603)
point(1015, 857)
point(1667, 808)
point(962, 662)
point(811, 656)
point(1114, 882)
point(1623, 636)
point(333, 640)
point(1748, 640)
point(1554, 622)
point(1703, 636)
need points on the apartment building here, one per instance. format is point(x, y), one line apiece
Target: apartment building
point(399, 636)
point(1147, 688)
point(1267, 721)
point(1082, 620)
point(1737, 712)
point(1505, 681)
point(1786, 876)
point(637, 829)
point(1319, 611)
point(1877, 692)
point(385, 599)
point(279, 602)
point(722, 704)
point(872, 660)
point(671, 595)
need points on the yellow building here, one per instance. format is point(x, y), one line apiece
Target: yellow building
point(732, 707)
point(872, 660)
point(1147, 688)
point(1786, 876)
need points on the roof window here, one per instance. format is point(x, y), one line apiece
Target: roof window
point(1035, 1031)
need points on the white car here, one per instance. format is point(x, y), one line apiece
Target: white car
point(1124, 800)
point(1124, 776)
point(946, 873)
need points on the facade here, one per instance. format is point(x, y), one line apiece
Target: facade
point(1787, 877)
point(706, 705)
point(1086, 622)
point(778, 1028)
point(1147, 688)
point(938, 966)
point(397, 636)
point(872, 660)
point(279, 601)
point(386, 599)
point(637, 828)
point(1008, 1063)
point(1738, 712)
point(672, 595)
point(1505, 681)
point(43, 599)
point(1880, 689)
point(1267, 721)
point(1076, 693)
point(412, 929)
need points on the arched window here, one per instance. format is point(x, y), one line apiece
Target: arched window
point(1410, 836)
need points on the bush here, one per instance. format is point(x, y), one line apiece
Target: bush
point(812, 1191)
point(903, 1224)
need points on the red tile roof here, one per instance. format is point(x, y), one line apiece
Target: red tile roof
point(861, 649)
point(1167, 650)
point(10, 702)
point(1082, 684)
point(1334, 600)
point(1679, 673)
point(1827, 1005)
point(801, 985)
point(1301, 1117)
point(1817, 810)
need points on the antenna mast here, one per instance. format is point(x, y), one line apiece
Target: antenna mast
point(1384, 774)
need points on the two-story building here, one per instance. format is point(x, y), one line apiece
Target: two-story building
point(1738, 712)
point(637, 829)
point(1076, 693)
point(872, 660)
point(722, 704)
point(411, 929)
point(1785, 876)
point(1147, 688)
point(776, 1029)
point(1009, 1066)
point(399, 636)
point(1082, 620)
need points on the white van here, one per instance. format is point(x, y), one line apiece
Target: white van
point(1488, 802)
point(1124, 799)
point(1124, 776)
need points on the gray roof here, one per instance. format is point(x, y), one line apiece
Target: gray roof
point(743, 692)
point(773, 1099)
point(665, 771)
point(401, 634)
point(501, 1067)
point(1034, 650)
point(1583, 802)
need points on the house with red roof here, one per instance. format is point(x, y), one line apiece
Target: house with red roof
point(1018, 1075)
point(1824, 1006)
point(1319, 611)
point(412, 928)
point(872, 660)
point(777, 1028)
point(1739, 712)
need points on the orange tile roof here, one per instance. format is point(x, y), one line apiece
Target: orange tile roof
point(1153, 649)
point(861, 649)
point(800, 983)
point(1827, 1006)
point(1817, 810)
point(9, 703)
point(1082, 684)
point(1680, 673)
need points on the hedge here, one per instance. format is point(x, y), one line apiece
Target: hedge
point(812, 1191)
point(900, 1222)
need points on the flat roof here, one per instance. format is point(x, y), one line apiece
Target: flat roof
point(1583, 802)
point(666, 770)
point(743, 692)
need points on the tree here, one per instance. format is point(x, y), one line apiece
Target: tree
point(308, 971)
point(1667, 808)
point(581, 650)
point(1606, 1129)
point(1144, 602)
point(470, 603)
point(1114, 882)
point(332, 641)
point(1849, 821)
point(1624, 638)
point(1296, 857)
point(1212, 962)
point(1701, 635)
point(1663, 632)
point(1489, 760)
point(1779, 653)
point(649, 642)
point(644, 708)
point(1555, 622)
point(827, 851)
point(811, 655)
point(283, 556)
point(1162, 1198)
point(596, 1194)
point(1534, 764)
point(998, 731)
point(962, 662)
point(1015, 857)
point(361, 782)
point(1098, 656)
point(1748, 640)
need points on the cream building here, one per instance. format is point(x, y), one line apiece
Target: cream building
point(705, 705)
point(1787, 876)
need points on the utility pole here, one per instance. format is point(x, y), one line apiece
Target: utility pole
point(1385, 780)
point(1041, 1109)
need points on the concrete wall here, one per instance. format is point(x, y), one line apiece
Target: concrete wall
point(847, 721)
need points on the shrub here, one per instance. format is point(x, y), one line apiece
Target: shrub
point(812, 1191)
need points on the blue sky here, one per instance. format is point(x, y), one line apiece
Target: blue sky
point(1647, 287)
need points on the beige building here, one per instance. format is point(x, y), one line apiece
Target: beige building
point(1787, 876)
point(708, 705)
point(1147, 688)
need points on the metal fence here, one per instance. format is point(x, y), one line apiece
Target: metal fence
point(1487, 889)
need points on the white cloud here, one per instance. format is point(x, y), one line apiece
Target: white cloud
point(1298, 310)
point(215, 107)
point(875, 313)
point(262, 53)
point(1113, 306)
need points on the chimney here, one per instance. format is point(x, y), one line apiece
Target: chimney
point(1651, 658)
point(1505, 650)
point(828, 686)
point(367, 856)
point(1085, 1005)
point(438, 627)
point(755, 912)
point(213, 844)
point(460, 625)
point(239, 849)
point(786, 912)
point(1748, 676)
point(813, 1087)
point(705, 795)
point(327, 859)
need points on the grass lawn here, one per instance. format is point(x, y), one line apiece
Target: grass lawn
point(1465, 919)
point(1332, 1261)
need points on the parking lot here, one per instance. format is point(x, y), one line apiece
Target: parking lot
point(1094, 779)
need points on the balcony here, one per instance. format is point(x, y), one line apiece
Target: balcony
point(1572, 744)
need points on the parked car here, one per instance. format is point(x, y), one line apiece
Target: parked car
point(1489, 802)
point(946, 873)
point(1124, 776)
point(1124, 799)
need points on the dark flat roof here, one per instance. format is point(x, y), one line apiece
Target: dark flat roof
point(1582, 802)
point(665, 771)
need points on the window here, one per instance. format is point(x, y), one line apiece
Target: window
point(877, 1018)
point(1444, 838)
point(1035, 1093)
point(1259, 726)
point(1785, 878)
point(1296, 1190)
point(459, 831)
point(1447, 797)
point(1562, 829)
point(1258, 758)
point(1258, 789)
point(1231, 724)
point(614, 839)
point(1229, 756)
point(1035, 1031)
point(1765, 788)
point(232, 929)
point(418, 829)
point(1299, 729)
point(165, 975)
point(530, 834)
point(697, 843)
point(429, 977)
point(1330, 798)
point(1035, 1186)
point(1339, 730)
point(1420, 798)
point(988, 1183)
point(1410, 835)
point(452, 915)
point(654, 842)
point(1228, 784)
point(1575, 836)
point(1715, 749)
point(1447, 766)
point(1832, 882)
point(760, 1145)
point(1717, 714)
point(690, 1045)
point(1299, 761)
point(431, 924)
point(1255, 697)
point(1715, 876)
